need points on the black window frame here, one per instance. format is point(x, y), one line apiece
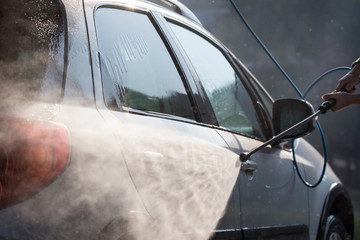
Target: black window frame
point(66, 48)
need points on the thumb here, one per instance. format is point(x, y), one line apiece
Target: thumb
point(326, 96)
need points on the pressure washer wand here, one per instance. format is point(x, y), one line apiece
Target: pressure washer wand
point(323, 108)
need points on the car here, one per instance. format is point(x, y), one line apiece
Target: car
point(125, 119)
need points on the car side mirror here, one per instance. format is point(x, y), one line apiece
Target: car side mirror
point(288, 112)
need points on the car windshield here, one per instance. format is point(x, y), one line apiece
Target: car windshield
point(31, 49)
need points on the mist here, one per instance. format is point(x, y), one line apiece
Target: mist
point(150, 186)
point(126, 177)
point(130, 180)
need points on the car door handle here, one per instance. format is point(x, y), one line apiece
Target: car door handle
point(248, 166)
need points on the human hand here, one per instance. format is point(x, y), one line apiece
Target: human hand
point(343, 99)
point(343, 93)
point(349, 80)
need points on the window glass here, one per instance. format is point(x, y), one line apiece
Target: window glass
point(137, 69)
point(231, 102)
point(32, 37)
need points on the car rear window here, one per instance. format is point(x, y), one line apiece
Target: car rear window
point(31, 49)
point(137, 69)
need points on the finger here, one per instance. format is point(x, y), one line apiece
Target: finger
point(337, 108)
point(345, 87)
point(327, 96)
point(339, 86)
point(353, 89)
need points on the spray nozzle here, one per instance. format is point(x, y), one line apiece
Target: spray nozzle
point(325, 106)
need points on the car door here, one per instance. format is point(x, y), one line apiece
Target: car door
point(273, 201)
point(181, 168)
point(285, 195)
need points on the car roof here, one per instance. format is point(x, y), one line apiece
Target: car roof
point(167, 7)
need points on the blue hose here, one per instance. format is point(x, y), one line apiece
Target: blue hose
point(302, 96)
point(322, 76)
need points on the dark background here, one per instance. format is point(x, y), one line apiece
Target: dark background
point(307, 38)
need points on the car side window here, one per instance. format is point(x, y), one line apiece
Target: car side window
point(231, 102)
point(137, 69)
point(32, 49)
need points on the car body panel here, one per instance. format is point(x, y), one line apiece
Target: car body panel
point(182, 172)
point(268, 199)
point(312, 162)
